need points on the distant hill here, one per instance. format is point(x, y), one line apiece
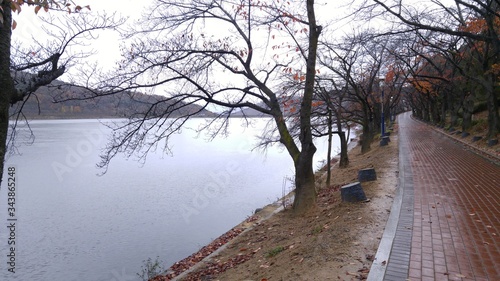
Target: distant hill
point(42, 105)
point(247, 112)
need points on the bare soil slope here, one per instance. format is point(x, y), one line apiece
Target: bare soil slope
point(336, 241)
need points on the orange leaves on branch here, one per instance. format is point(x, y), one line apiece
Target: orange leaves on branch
point(299, 77)
point(389, 76)
point(80, 8)
point(495, 69)
point(290, 106)
point(317, 103)
point(15, 6)
point(423, 86)
point(475, 26)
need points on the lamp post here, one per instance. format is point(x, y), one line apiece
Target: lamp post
point(391, 112)
point(382, 123)
point(384, 140)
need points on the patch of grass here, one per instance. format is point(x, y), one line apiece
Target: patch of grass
point(273, 252)
point(151, 269)
point(318, 229)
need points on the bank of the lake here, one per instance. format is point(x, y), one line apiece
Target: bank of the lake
point(337, 240)
point(76, 225)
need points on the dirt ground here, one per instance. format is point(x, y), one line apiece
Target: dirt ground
point(336, 241)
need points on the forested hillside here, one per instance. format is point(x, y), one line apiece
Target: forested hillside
point(43, 104)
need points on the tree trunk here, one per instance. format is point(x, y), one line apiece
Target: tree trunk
point(367, 135)
point(417, 112)
point(493, 117)
point(468, 107)
point(344, 158)
point(426, 110)
point(367, 130)
point(6, 84)
point(434, 111)
point(305, 190)
point(443, 111)
point(329, 152)
point(453, 110)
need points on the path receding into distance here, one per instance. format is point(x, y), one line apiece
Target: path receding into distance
point(447, 225)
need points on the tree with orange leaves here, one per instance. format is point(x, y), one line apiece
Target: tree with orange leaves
point(476, 23)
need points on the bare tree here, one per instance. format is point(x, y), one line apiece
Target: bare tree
point(358, 61)
point(24, 69)
point(337, 113)
point(228, 54)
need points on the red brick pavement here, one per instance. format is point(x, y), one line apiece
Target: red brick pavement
point(456, 223)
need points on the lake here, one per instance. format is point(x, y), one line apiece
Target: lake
point(74, 224)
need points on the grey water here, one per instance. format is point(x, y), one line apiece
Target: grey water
point(75, 224)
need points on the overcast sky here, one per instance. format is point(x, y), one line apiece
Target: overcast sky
point(107, 45)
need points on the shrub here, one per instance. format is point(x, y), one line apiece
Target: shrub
point(273, 252)
point(150, 269)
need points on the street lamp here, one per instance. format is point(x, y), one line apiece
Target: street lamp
point(391, 112)
point(384, 140)
point(382, 123)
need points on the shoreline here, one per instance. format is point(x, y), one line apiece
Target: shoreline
point(204, 256)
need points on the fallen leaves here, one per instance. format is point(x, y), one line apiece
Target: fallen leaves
point(219, 267)
point(362, 273)
point(183, 265)
point(370, 257)
point(342, 243)
point(252, 218)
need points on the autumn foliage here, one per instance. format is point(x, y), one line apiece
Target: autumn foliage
point(62, 5)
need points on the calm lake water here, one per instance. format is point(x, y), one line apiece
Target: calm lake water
point(75, 225)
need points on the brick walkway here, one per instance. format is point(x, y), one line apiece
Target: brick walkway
point(448, 227)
